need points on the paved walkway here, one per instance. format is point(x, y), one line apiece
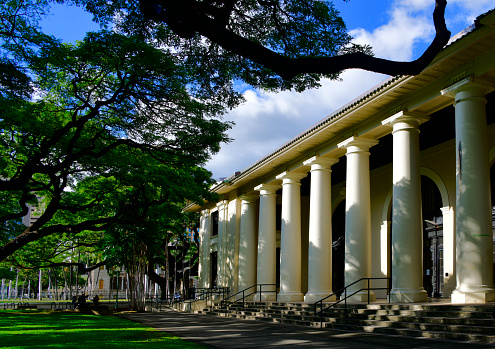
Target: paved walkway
point(228, 333)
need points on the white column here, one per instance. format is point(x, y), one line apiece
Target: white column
point(248, 243)
point(474, 236)
point(448, 251)
point(267, 242)
point(221, 242)
point(290, 243)
point(320, 230)
point(407, 225)
point(204, 257)
point(358, 215)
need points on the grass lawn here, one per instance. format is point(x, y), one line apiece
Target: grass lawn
point(44, 329)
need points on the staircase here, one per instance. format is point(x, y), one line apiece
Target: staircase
point(453, 322)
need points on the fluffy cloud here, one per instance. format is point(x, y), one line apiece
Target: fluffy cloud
point(268, 120)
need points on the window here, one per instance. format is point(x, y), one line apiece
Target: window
point(102, 267)
point(214, 223)
point(100, 284)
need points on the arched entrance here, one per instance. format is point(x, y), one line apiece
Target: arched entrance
point(433, 275)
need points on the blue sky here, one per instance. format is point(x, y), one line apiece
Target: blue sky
point(396, 29)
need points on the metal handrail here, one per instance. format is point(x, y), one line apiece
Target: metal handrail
point(208, 293)
point(346, 296)
point(225, 301)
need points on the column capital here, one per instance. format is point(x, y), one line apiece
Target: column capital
point(405, 119)
point(319, 163)
point(266, 189)
point(357, 144)
point(291, 177)
point(222, 203)
point(249, 198)
point(468, 84)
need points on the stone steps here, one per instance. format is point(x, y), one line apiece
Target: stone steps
point(453, 322)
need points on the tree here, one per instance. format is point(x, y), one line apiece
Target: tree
point(273, 43)
point(95, 130)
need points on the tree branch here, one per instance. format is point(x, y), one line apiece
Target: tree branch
point(186, 18)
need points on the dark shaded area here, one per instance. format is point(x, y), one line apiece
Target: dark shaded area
point(431, 201)
point(338, 247)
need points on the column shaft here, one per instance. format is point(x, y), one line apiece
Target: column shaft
point(474, 236)
point(221, 244)
point(290, 245)
point(320, 231)
point(358, 215)
point(267, 243)
point(248, 243)
point(407, 225)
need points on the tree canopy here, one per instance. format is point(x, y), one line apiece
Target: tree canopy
point(97, 133)
point(266, 43)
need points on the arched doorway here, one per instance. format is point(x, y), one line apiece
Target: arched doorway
point(431, 200)
point(338, 247)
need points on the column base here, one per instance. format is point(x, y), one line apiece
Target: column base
point(265, 297)
point(408, 296)
point(290, 297)
point(314, 297)
point(481, 296)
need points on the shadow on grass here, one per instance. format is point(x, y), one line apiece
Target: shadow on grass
point(29, 329)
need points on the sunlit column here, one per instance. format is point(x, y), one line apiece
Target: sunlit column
point(407, 225)
point(473, 225)
point(248, 241)
point(221, 243)
point(358, 215)
point(448, 250)
point(205, 232)
point(267, 242)
point(290, 244)
point(320, 230)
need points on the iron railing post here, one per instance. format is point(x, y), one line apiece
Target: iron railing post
point(368, 290)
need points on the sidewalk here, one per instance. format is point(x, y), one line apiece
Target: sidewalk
point(228, 333)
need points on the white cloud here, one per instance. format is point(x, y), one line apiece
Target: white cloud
point(268, 120)
point(396, 39)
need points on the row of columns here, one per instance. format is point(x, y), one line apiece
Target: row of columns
point(473, 216)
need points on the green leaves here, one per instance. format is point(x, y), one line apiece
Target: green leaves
point(98, 135)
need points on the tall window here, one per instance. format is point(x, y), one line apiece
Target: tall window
point(214, 223)
point(100, 284)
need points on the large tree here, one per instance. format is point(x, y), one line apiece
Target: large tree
point(89, 133)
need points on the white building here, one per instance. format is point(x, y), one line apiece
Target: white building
point(397, 180)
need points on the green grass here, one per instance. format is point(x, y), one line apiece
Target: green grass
point(43, 329)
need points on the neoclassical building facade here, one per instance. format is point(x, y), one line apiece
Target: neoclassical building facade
point(396, 184)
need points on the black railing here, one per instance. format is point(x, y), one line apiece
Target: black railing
point(13, 305)
point(205, 294)
point(208, 293)
point(227, 301)
point(343, 292)
point(63, 305)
